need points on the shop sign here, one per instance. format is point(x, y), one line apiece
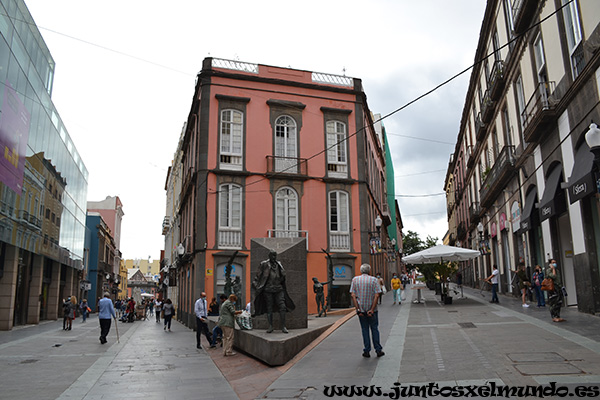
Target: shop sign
point(502, 222)
point(515, 212)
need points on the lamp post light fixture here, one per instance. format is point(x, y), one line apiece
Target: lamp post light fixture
point(378, 223)
point(592, 137)
point(480, 230)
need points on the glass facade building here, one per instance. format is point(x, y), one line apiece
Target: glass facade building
point(43, 180)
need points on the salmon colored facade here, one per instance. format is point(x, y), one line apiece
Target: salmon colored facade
point(278, 152)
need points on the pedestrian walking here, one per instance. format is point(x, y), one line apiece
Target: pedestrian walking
point(227, 322)
point(157, 309)
point(105, 311)
point(365, 291)
point(555, 298)
point(201, 311)
point(382, 285)
point(66, 311)
point(168, 311)
point(84, 309)
point(70, 310)
point(493, 280)
point(396, 284)
point(538, 278)
point(524, 283)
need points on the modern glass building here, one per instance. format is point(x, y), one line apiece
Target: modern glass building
point(43, 181)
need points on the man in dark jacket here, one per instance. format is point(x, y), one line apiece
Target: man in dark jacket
point(271, 291)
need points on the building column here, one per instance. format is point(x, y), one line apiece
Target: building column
point(35, 290)
point(8, 288)
point(53, 290)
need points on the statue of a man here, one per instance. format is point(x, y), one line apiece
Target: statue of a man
point(319, 296)
point(271, 292)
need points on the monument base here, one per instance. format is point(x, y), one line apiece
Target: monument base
point(278, 348)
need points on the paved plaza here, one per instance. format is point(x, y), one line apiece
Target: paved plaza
point(470, 342)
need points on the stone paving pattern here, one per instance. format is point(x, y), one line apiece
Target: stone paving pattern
point(468, 342)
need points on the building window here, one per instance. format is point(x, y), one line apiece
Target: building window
point(337, 162)
point(285, 145)
point(520, 101)
point(540, 59)
point(231, 139)
point(286, 213)
point(573, 32)
point(339, 221)
point(230, 216)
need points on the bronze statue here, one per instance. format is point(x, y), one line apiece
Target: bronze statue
point(271, 292)
point(319, 296)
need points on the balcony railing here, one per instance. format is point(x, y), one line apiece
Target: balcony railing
point(498, 176)
point(474, 212)
point(166, 225)
point(539, 111)
point(497, 81)
point(469, 155)
point(339, 241)
point(280, 233)
point(523, 12)
point(479, 127)
point(487, 107)
point(30, 219)
point(577, 61)
point(230, 239)
point(286, 165)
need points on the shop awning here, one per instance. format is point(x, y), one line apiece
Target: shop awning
point(581, 182)
point(547, 204)
point(526, 214)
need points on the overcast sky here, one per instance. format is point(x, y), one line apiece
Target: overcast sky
point(125, 73)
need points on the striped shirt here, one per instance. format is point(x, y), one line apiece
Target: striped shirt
point(364, 287)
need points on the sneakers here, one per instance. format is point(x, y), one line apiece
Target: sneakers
point(526, 305)
point(366, 354)
point(380, 354)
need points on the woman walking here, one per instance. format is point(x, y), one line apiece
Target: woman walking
point(524, 283)
point(227, 323)
point(555, 296)
point(168, 312)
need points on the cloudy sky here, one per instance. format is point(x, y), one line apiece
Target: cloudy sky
point(125, 72)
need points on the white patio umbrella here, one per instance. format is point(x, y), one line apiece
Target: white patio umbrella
point(147, 295)
point(441, 253)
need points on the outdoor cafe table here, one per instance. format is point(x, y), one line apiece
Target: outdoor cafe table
point(418, 288)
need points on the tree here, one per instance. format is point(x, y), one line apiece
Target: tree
point(412, 243)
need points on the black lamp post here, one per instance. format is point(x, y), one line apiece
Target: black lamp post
point(592, 137)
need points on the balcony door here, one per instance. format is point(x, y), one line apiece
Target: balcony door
point(285, 145)
point(286, 214)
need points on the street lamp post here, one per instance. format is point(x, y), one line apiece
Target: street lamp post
point(592, 137)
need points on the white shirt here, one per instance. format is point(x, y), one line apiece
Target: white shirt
point(495, 276)
point(200, 308)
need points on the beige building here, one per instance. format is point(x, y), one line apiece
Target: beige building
point(521, 177)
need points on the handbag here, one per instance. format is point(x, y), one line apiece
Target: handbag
point(548, 284)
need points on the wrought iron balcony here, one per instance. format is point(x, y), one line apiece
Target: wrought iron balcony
point(539, 112)
point(474, 213)
point(286, 165)
point(523, 12)
point(461, 231)
point(497, 80)
point(487, 107)
point(470, 155)
point(479, 127)
point(166, 225)
point(280, 233)
point(498, 176)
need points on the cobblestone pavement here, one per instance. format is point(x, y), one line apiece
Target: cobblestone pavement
point(470, 342)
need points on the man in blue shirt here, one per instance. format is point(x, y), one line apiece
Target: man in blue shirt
point(105, 311)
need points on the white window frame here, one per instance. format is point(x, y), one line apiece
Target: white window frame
point(337, 149)
point(540, 57)
point(285, 140)
point(231, 131)
point(339, 236)
point(286, 211)
point(230, 224)
point(520, 100)
point(573, 32)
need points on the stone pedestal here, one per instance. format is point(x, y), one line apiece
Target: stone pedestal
point(291, 253)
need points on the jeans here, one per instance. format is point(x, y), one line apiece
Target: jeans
point(168, 321)
point(539, 295)
point(372, 324)
point(157, 315)
point(397, 295)
point(495, 292)
point(84, 315)
point(216, 332)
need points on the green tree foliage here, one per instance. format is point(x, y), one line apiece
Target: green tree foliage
point(412, 243)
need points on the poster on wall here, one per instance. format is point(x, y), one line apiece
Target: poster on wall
point(14, 133)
